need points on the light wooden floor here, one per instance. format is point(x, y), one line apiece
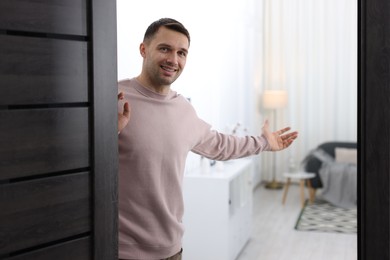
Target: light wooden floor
point(274, 236)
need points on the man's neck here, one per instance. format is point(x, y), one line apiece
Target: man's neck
point(164, 90)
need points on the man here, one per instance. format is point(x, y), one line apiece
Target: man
point(153, 147)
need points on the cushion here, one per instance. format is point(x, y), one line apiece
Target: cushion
point(346, 155)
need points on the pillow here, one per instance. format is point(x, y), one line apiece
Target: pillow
point(323, 156)
point(346, 155)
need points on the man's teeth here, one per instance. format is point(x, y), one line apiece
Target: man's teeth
point(168, 69)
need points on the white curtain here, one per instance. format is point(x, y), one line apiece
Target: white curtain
point(309, 49)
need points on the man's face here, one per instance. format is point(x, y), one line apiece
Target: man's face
point(164, 57)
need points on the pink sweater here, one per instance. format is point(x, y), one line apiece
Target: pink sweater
point(152, 153)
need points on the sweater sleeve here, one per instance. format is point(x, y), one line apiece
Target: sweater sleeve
point(222, 147)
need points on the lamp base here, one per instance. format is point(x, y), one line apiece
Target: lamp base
point(274, 185)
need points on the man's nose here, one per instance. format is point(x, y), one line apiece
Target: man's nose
point(172, 59)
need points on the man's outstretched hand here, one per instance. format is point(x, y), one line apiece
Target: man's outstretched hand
point(124, 117)
point(278, 140)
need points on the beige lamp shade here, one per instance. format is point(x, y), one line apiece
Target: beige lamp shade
point(273, 99)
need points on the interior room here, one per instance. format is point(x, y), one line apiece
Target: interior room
point(292, 62)
point(240, 51)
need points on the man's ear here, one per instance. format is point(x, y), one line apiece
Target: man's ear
point(142, 50)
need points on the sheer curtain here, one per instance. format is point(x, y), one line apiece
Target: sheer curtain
point(309, 49)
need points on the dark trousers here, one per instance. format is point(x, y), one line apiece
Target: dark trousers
point(174, 257)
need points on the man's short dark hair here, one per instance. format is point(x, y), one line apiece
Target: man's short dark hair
point(169, 23)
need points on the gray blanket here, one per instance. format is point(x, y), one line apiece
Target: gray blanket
point(339, 181)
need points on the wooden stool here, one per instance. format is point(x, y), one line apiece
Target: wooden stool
point(302, 177)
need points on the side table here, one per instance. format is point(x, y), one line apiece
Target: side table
point(302, 177)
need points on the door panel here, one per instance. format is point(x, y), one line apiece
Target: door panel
point(42, 210)
point(47, 16)
point(78, 249)
point(40, 141)
point(42, 70)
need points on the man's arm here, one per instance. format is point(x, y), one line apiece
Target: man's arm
point(218, 146)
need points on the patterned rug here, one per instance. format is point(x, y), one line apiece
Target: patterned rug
point(324, 217)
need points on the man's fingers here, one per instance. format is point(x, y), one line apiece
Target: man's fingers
point(289, 135)
point(126, 106)
point(126, 110)
point(281, 131)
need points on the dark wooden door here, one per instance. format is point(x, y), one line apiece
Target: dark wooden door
point(58, 138)
point(374, 130)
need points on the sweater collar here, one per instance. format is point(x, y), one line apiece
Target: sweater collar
point(149, 93)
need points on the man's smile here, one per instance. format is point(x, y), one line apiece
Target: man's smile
point(168, 68)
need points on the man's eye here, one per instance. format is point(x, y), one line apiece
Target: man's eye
point(164, 49)
point(183, 54)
